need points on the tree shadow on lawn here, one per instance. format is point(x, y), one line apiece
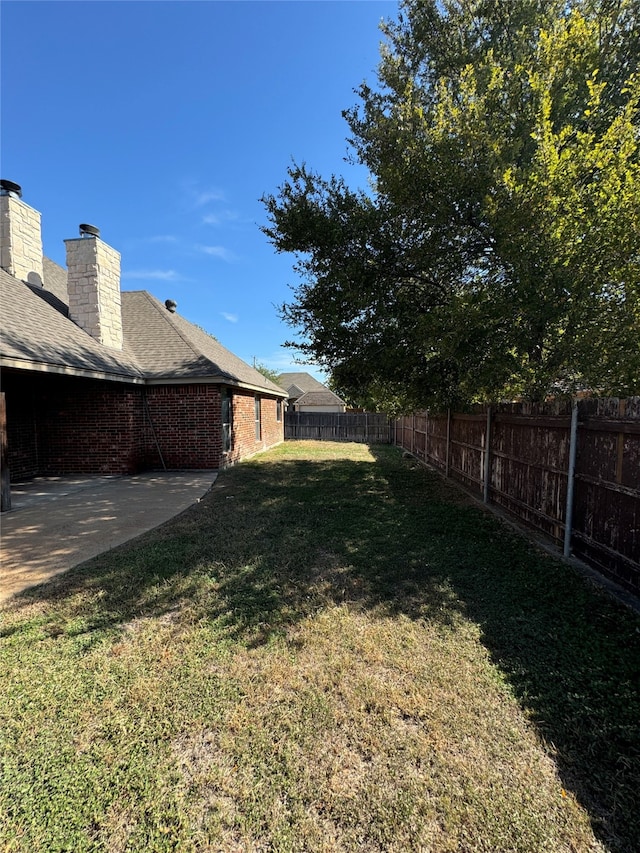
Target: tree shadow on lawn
point(276, 541)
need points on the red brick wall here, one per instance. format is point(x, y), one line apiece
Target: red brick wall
point(90, 427)
point(272, 430)
point(187, 421)
point(21, 430)
point(60, 426)
point(244, 426)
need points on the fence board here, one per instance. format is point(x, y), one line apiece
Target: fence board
point(528, 471)
point(607, 500)
point(365, 428)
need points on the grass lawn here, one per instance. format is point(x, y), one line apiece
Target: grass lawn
point(335, 650)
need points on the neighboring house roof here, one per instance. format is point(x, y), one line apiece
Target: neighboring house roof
point(294, 392)
point(302, 381)
point(159, 346)
point(320, 398)
point(305, 390)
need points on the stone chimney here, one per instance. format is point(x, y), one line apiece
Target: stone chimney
point(20, 235)
point(93, 283)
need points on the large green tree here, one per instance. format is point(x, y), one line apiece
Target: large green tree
point(496, 252)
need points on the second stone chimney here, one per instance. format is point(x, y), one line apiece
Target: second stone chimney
point(20, 235)
point(93, 283)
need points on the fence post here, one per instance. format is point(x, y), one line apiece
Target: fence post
point(426, 435)
point(620, 449)
point(573, 435)
point(446, 464)
point(487, 458)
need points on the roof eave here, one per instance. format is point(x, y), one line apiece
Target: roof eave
point(86, 373)
point(214, 379)
point(66, 370)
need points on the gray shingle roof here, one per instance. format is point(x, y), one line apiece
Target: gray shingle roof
point(158, 345)
point(319, 398)
point(55, 279)
point(303, 381)
point(168, 347)
point(305, 390)
point(37, 334)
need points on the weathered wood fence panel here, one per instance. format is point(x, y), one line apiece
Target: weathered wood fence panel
point(339, 426)
point(528, 459)
point(606, 531)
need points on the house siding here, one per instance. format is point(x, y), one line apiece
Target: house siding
point(244, 441)
point(89, 427)
point(22, 436)
point(58, 426)
point(187, 421)
point(96, 428)
point(62, 426)
point(319, 409)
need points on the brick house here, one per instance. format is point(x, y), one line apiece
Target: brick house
point(99, 381)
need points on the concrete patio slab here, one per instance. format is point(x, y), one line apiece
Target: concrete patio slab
point(57, 522)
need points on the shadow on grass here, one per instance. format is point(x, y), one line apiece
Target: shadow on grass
point(277, 540)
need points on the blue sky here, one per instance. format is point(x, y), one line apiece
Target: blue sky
point(163, 123)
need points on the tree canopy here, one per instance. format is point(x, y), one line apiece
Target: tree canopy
point(266, 371)
point(496, 252)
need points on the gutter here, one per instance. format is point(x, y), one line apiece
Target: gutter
point(60, 369)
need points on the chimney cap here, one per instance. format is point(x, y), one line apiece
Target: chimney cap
point(170, 305)
point(89, 230)
point(10, 188)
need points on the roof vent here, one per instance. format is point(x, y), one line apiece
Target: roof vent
point(9, 188)
point(170, 305)
point(89, 230)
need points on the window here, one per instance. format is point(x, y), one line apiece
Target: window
point(258, 425)
point(227, 420)
point(278, 409)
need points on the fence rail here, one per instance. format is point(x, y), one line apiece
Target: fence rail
point(329, 426)
point(519, 456)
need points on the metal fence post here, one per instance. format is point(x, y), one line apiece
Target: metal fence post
point(446, 465)
point(573, 436)
point(487, 458)
point(426, 435)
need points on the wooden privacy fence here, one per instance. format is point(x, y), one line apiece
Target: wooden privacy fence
point(571, 472)
point(338, 426)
